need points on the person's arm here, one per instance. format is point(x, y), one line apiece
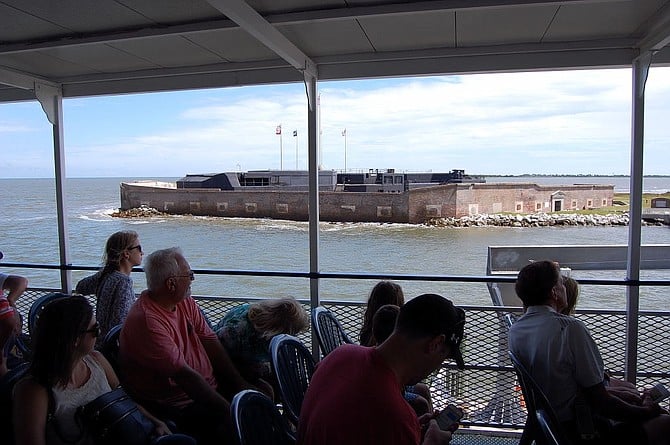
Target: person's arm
point(616, 408)
point(197, 388)
point(31, 405)
point(16, 285)
point(227, 374)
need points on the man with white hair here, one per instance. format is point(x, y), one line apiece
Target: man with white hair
point(170, 358)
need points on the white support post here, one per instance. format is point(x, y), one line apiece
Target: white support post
point(640, 72)
point(313, 167)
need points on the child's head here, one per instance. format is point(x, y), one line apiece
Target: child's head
point(571, 294)
point(383, 322)
point(278, 316)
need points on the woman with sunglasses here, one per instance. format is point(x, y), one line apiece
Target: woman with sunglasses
point(64, 364)
point(112, 285)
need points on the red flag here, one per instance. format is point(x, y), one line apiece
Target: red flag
point(278, 129)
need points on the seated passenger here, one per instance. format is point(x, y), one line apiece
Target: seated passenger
point(65, 364)
point(112, 285)
point(355, 395)
point(171, 358)
point(383, 323)
point(245, 331)
point(10, 321)
point(384, 292)
point(565, 362)
point(618, 387)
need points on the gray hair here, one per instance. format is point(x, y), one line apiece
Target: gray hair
point(161, 265)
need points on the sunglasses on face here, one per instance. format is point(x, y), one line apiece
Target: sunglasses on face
point(190, 276)
point(138, 247)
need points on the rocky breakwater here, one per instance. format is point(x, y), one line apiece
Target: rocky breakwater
point(533, 220)
point(138, 212)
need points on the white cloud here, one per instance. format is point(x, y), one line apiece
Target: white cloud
point(547, 122)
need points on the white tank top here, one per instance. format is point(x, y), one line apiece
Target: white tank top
point(67, 400)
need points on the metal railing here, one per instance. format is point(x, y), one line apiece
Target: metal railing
point(487, 388)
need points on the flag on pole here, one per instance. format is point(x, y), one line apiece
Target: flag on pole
point(278, 129)
point(344, 132)
point(295, 133)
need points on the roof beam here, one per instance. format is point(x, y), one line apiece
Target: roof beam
point(253, 23)
point(308, 16)
point(21, 80)
point(658, 36)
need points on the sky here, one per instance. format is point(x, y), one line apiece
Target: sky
point(568, 122)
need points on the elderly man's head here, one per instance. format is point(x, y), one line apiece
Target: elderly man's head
point(540, 283)
point(168, 273)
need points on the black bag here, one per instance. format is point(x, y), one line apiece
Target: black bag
point(114, 419)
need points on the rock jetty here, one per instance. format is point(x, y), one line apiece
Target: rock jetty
point(534, 220)
point(138, 212)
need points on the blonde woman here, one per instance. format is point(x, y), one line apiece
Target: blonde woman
point(245, 331)
point(112, 285)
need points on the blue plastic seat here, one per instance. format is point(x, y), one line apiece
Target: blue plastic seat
point(293, 366)
point(110, 347)
point(329, 331)
point(257, 421)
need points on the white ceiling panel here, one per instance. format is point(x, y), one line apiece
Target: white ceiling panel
point(233, 45)
point(171, 11)
point(328, 37)
point(106, 46)
point(421, 30)
point(101, 58)
point(169, 51)
point(17, 25)
point(80, 15)
point(601, 20)
point(495, 25)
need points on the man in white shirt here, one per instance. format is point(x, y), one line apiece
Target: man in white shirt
point(564, 360)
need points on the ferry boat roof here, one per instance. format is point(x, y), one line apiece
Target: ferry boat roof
point(98, 47)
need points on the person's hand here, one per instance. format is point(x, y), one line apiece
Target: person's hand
point(160, 428)
point(652, 407)
point(435, 436)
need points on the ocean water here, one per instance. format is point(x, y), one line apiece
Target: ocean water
point(28, 228)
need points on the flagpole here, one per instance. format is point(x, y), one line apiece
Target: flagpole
point(295, 135)
point(281, 150)
point(344, 133)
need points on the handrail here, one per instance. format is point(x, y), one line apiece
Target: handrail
point(357, 276)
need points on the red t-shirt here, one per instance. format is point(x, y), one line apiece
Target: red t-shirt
point(354, 398)
point(155, 343)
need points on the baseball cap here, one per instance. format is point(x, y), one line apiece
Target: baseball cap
point(432, 314)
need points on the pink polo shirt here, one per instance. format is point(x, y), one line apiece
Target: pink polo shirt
point(155, 343)
point(6, 310)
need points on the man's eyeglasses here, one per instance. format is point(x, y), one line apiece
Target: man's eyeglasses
point(138, 247)
point(190, 276)
point(94, 331)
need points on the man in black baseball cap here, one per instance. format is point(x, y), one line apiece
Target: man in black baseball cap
point(355, 395)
